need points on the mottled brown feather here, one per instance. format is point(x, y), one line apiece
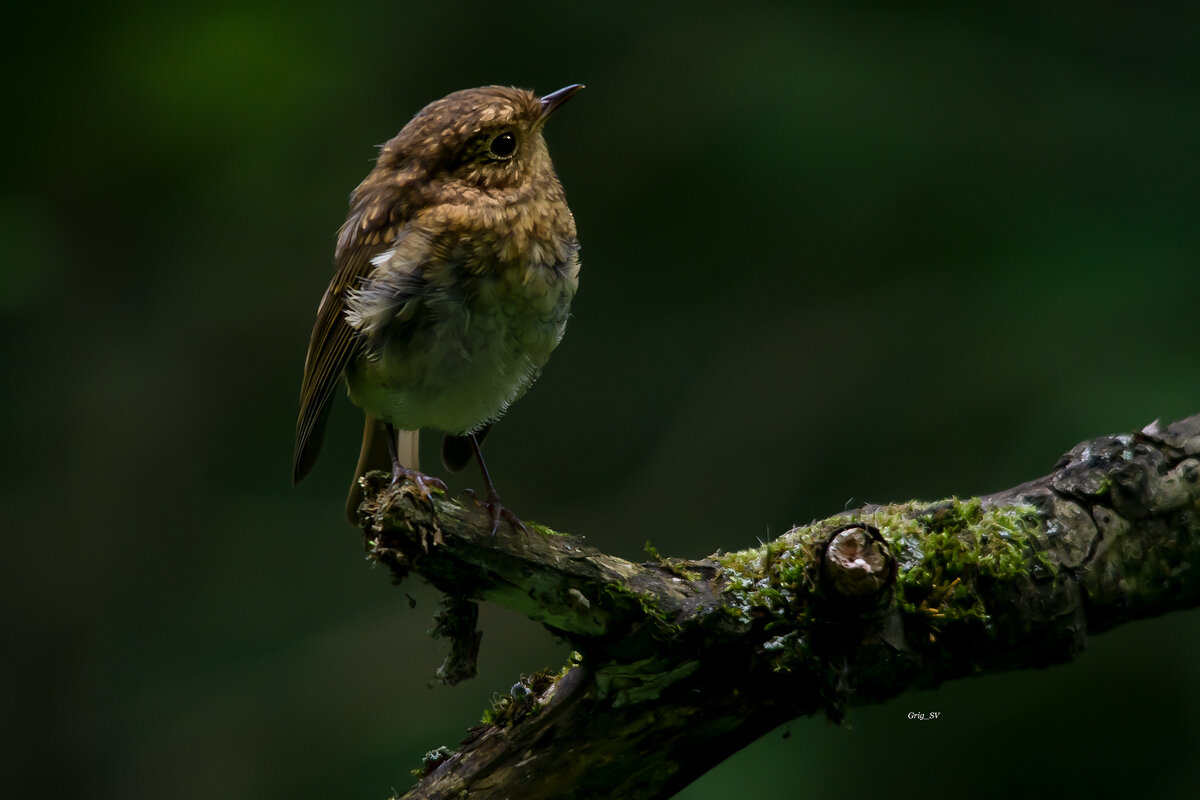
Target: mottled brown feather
point(333, 342)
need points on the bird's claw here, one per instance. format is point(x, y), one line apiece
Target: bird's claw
point(496, 511)
point(423, 482)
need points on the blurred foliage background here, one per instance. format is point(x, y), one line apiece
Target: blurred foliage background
point(833, 253)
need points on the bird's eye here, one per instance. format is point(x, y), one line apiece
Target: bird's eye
point(502, 145)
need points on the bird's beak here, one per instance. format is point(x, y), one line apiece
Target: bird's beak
point(555, 99)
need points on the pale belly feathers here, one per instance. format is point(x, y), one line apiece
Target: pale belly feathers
point(462, 361)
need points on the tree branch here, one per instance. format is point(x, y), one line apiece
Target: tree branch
point(682, 663)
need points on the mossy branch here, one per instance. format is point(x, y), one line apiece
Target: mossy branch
point(682, 663)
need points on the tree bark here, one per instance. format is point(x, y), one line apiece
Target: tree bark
point(679, 664)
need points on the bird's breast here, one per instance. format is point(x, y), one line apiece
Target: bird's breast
point(471, 334)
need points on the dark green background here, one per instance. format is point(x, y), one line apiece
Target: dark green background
point(832, 254)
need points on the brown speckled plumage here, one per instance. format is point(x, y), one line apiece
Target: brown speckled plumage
point(456, 267)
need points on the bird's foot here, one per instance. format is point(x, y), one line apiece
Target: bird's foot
point(424, 483)
point(496, 511)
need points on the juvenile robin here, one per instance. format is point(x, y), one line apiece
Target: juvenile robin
point(456, 267)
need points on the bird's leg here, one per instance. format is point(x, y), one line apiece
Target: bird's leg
point(400, 472)
point(495, 509)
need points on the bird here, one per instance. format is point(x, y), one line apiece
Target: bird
point(455, 271)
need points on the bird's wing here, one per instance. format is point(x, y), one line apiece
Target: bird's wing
point(367, 232)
